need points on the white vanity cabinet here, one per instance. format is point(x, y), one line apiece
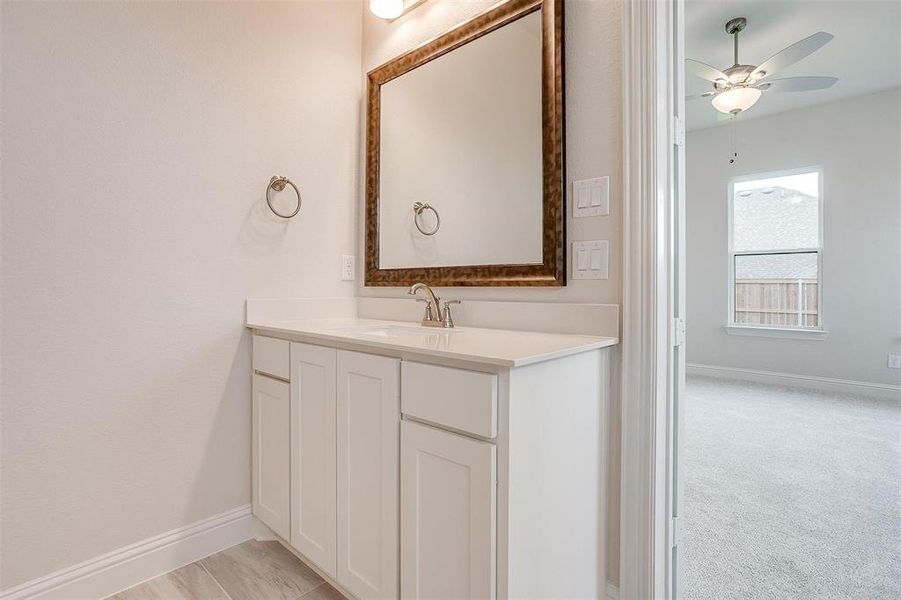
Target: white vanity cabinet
point(333, 441)
point(271, 473)
point(503, 480)
point(404, 474)
point(314, 474)
point(448, 514)
point(368, 447)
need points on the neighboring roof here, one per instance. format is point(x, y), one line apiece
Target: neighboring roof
point(776, 266)
point(775, 218)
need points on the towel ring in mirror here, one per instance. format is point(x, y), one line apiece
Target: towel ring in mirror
point(418, 207)
point(278, 184)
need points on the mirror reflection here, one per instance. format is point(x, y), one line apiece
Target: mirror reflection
point(460, 166)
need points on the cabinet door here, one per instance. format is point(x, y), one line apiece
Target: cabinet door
point(448, 515)
point(271, 453)
point(368, 456)
point(313, 471)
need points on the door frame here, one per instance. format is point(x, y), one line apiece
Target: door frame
point(653, 295)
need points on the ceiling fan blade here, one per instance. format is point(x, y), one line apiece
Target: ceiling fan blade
point(696, 96)
point(703, 70)
point(798, 84)
point(792, 54)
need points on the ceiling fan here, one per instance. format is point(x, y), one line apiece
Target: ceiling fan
point(739, 87)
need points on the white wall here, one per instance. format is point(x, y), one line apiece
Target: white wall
point(137, 142)
point(857, 142)
point(594, 115)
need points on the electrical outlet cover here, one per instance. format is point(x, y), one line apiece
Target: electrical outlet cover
point(347, 267)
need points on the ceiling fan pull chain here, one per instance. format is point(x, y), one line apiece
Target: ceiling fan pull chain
point(733, 150)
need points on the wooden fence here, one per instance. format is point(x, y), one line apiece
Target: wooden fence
point(786, 302)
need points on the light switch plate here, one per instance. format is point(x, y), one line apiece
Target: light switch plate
point(894, 361)
point(590, 259)
point(591, 197)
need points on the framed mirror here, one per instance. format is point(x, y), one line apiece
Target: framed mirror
point(464, 155)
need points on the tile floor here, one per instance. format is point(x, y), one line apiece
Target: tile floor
point(249, 571)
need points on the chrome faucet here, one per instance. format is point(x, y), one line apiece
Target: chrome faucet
point(434, 315)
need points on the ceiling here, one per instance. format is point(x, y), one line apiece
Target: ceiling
point(865, 54)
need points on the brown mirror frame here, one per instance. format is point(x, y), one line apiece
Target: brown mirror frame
point(552, 271)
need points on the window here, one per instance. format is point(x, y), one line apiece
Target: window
point(775, 251)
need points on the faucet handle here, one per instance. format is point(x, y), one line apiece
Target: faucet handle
point(428, 309)
point(448, 318)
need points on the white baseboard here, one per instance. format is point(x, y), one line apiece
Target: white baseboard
point(826, 384)
point(612, 592)
point(123, 568)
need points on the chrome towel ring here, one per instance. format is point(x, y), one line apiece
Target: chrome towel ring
point(418, 207)
point(278, 184)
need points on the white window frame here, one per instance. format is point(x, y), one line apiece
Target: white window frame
point(733, 328)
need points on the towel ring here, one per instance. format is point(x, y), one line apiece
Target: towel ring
point(278, 184)
point(418, 207)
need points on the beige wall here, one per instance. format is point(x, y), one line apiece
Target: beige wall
point(857, 143)
point(593, 65)
point(137, 141)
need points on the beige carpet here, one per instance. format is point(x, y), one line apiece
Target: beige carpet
point(789, 493)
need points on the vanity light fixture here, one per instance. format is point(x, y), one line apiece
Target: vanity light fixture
point(386, 9)
point(392, 9)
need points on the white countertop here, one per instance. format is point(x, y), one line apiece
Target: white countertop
point(496, 347)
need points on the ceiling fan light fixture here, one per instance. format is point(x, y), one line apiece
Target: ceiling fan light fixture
point(736, 100)
point(738, 88)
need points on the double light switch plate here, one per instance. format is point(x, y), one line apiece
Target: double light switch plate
point(591, 197)
point(591, 259)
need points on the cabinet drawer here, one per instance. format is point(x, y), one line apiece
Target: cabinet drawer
point(271, 356)
point(463, 400)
